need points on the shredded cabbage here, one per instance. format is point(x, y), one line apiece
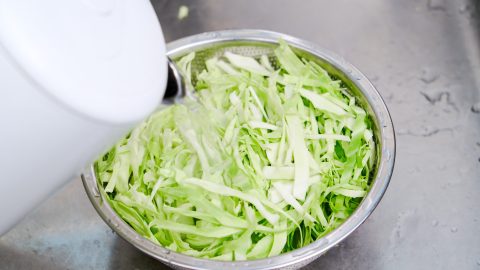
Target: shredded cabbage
point(261, 162)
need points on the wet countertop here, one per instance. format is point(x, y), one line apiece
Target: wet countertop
point(424, 58)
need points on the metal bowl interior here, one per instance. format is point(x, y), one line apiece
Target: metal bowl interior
point(256, 43)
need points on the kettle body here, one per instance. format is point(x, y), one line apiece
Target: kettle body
point(75, 76)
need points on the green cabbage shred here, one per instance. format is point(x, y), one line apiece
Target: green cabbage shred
point(262, 161)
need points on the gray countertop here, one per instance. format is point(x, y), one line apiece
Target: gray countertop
point(424, 58)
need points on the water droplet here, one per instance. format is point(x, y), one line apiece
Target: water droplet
point(435, 5)
point(454, 229)
point(398, 232)
point(427, 76)
point(434, 223)
point(464, 8)
point(115, 225)
point(475, 108)
point(166, 251)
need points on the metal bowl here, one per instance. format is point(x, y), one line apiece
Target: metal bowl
point(255, 42)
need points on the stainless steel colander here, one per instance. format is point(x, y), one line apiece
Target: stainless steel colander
point(256, 43)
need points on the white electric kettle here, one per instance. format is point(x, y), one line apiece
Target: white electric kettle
point(75, 76)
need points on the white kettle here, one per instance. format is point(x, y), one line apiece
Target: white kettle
point(75, 76)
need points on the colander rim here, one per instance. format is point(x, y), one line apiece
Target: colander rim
point(298, 257)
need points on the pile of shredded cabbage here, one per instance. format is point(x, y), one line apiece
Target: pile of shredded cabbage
point(262, 161)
